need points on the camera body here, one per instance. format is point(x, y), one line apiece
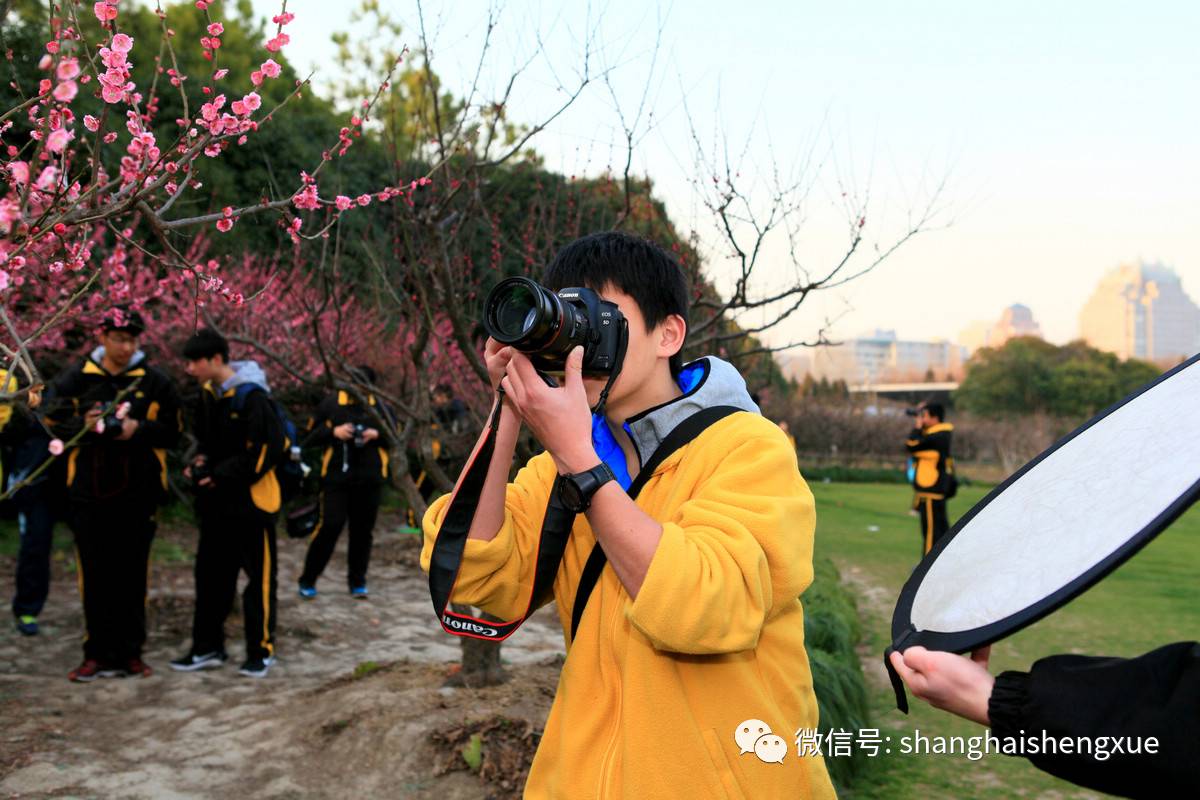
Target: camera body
point(910, 412)
point(111, 426)
point(200, 471)
point(360, 439)
point(547, 325)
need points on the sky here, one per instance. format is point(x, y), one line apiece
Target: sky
point(1062, 135)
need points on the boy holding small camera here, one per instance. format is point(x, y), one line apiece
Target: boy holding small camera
point(694, 626)
point(241, 439)
point(354, 466)
point(116, 474)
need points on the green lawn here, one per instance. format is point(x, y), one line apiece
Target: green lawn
point(1150, 601)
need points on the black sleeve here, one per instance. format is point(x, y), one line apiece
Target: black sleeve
point(264, 444)
point(164, 430)
point(915, 441)
point(61, 407)
point(1155, 695)
point(319, 431)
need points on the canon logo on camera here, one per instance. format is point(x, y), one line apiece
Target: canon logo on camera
point(472, 627)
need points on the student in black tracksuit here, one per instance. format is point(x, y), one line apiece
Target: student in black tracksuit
point(1156, 695)
point(932, 478)
point(116, 475)
point(354, 466)
point(25, 443)
point(241, 439)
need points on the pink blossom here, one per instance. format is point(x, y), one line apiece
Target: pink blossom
point(343, 202)
point(278, 42)
point(363, 200)
point(216, 29)
point(202, 5)
point(122, 42)
point(238, 107)
point(112, 95)
point(123, 410)
point(19, 172)
point(256, 78)
point(224, 225)
point(52, 47)
point(3, 280)
point(91, 123)
point(58, 139)
point(221, 73)
point(306, 198)
point(270, 68)
point(283, 19)
point(252, 101)
point(104, 12)
point(65, 92)
point(56, 447)
point(45, 62)
point(68, 69)
point(110, 137)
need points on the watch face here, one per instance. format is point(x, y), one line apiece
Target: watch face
point(570, 494)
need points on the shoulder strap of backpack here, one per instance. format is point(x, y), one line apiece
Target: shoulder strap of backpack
point(682, 434)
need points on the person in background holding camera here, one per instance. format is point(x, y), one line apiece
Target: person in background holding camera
point(697, 628)
point(116, 476)
point(354, 466)
point(931, 470)
point(241, 440)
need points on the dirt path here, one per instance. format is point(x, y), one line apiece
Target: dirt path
point(310, 729)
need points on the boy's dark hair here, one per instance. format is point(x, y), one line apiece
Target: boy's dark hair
point(935, 410)
point(633, 265)
point(365, 374)
point(206, 343)
point(443, 389)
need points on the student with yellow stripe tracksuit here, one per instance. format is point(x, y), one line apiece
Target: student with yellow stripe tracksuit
point(354, 466)
point(241, 439)
point(116, 476)
point(933, 471)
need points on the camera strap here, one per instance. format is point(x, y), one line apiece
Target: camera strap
point(446, 559)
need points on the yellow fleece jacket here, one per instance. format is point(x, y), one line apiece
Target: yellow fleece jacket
point(653, 690)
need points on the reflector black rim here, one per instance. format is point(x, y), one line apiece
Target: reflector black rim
point(905, 635)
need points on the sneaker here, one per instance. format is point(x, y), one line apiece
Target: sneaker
point(86, 672)
point(194, 661)
point(139, 668)
point(256, 667)
point(359, 592)
point(27, 625)
point(308, 592)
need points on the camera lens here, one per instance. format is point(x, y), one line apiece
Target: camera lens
point(524, 314)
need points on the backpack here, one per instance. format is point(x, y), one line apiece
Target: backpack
point(290, 469)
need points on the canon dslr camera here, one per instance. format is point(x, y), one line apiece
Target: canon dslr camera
point(547, 326)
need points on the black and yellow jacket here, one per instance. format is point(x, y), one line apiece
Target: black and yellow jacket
point(930, 450)
point(103, 469)
point(343, 463)
point(243, 440)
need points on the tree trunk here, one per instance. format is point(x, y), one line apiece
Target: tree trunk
point(480, 658)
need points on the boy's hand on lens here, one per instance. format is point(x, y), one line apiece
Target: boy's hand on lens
point(496, 356)
point(559, 417)
point(345, 431)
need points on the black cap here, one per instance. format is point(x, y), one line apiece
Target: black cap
point(120, 318)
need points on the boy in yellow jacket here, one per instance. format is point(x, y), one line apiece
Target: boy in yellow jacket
point(687, 676)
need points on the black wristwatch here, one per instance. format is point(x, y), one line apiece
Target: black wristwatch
point(576, 491)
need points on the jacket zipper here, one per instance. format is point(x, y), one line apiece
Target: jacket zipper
point(610, 749)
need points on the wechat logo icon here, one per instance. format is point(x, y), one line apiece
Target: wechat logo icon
point(755, 736)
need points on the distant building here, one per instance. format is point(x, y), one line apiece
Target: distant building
point(1016, 320)
point(877, 358)
point(1142, 311)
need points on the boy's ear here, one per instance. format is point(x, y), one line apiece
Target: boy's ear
point(671, 333)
